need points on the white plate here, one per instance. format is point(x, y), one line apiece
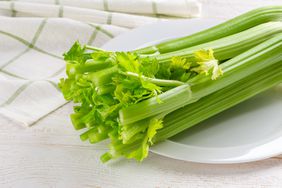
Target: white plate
point(247, 132)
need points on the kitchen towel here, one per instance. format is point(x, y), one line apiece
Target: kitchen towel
point(35, 33)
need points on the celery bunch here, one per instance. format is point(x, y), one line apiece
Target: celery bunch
point(138, 98)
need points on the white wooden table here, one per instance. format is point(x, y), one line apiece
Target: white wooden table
point(50, 154)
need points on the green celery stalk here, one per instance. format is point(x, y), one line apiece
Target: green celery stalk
point(219, 101)
point(159, 82)
point(230, 46)
point(170, 101)
point(101, 77)
point(235, 25)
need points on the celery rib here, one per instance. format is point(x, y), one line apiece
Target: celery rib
point(175, 97)
point(219, 101)
point(235, 25)
point(230, 46)
point(159, 82)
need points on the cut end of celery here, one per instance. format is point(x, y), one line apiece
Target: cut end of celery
point(106, 157)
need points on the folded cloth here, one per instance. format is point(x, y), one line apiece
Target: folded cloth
point(35, 33)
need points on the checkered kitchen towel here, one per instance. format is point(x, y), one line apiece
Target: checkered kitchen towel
point(35, 33)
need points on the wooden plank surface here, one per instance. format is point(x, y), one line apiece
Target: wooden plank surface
point(50, 154)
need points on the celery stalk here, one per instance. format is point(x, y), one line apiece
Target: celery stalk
point(230, 46)
point(169, 100)
point(235, 25)
point(219, 101)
